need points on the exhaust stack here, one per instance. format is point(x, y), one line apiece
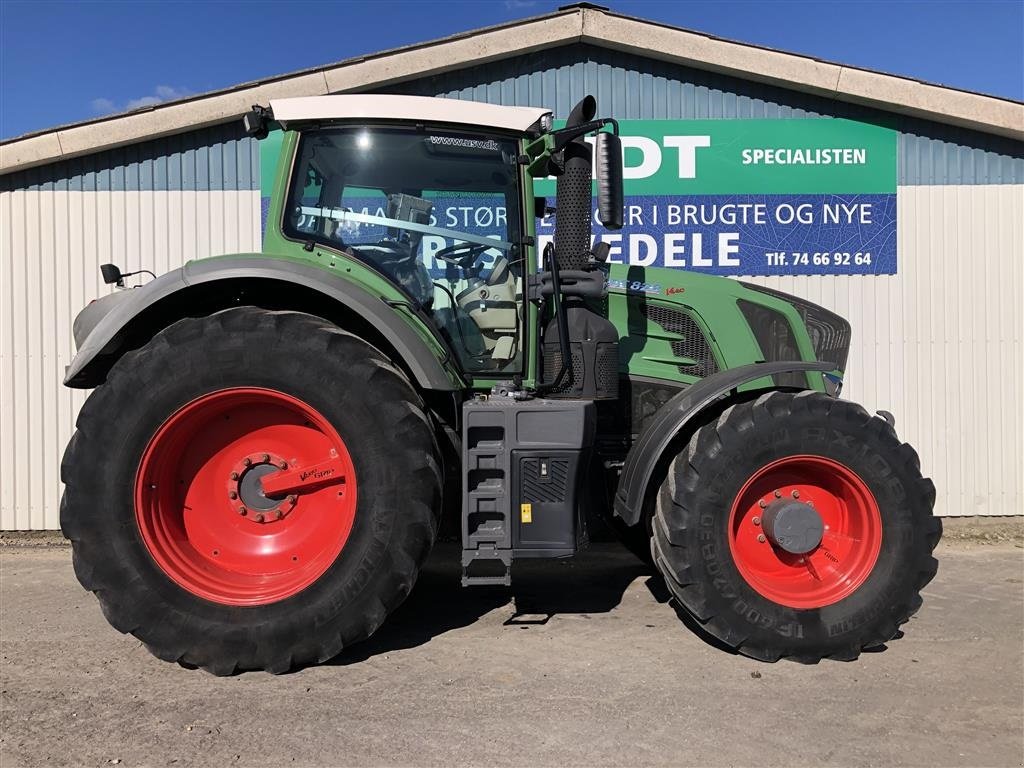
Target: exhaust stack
point(588, 369)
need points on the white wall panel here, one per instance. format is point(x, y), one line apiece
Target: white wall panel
point(939, 343)
point(51, 246)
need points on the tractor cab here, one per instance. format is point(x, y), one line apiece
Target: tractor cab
point(429, 194)
point(436, 196)
point(435, 210)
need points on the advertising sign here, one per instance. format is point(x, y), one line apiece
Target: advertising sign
point(755, 197)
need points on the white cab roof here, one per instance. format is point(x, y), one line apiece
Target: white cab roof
point(421, 108)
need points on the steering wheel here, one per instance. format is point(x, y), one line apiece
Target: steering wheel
point(472, 251)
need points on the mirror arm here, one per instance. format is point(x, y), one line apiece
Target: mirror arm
point(565, 135)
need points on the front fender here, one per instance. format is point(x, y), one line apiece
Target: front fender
point(671, 420)
point(104, 337)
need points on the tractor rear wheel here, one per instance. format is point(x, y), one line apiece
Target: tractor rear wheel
point(251, 490)
point(797, 526)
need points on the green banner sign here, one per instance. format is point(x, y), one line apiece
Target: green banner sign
point(732, 157)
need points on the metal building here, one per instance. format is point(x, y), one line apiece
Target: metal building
point(159, 186)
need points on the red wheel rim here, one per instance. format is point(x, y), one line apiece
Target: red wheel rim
point(201, 510)
point(849, 546)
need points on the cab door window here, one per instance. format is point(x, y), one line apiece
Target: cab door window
point(438, 214)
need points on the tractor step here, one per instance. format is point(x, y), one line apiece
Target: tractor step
point(487, 581)
point(521, 463)
point(486, 566)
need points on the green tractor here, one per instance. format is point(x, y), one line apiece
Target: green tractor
point(262, 467)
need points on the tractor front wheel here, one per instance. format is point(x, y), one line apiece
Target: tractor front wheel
point(251, 490)
point(797, 526)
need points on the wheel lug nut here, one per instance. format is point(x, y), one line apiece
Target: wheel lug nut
point(266, 458)
point(248, 462)
point(283, 465)
point(259, 517)
point(761, 538)
point(756, 521)
point(232, 495)
point(778, 494)
point(796, 494)
point(234, 475)
point(292, 498)
point(762, 504)
point(243, 511)
point(278, 514)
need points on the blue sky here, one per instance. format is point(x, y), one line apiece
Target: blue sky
point(66, 61)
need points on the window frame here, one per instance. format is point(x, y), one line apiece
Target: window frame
point(522, 242)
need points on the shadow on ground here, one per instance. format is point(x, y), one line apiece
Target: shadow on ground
point(593, 582)
point(590, 583)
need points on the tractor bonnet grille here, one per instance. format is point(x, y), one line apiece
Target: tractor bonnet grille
point(693, 344)
point(775, 338)
point(830, 333)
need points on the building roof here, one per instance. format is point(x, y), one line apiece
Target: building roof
point(430, 110)
point(582, 23)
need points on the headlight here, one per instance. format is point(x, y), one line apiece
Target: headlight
point(546, 121)
point(833, 384)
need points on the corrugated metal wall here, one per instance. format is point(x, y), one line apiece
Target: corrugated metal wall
point(154, 206)
point(926, 340)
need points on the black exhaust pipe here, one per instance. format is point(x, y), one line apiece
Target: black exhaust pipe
point(579, 344)
point(573, 190)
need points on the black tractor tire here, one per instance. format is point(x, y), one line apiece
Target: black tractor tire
point(699, 542)
point(367, 401)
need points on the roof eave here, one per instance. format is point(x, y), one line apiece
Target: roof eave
point(889, 93)
point(349, 76)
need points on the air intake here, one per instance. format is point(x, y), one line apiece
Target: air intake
point(693, 346)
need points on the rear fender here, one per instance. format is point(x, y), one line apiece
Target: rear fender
point(106, 340)
point(672, 420)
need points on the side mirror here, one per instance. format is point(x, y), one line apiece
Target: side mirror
point(111, 274)
point(257, 121)
point(608, 157)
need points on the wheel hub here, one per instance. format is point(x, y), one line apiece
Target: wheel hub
point(805, 531)
point(245, 489)
point(793, 526)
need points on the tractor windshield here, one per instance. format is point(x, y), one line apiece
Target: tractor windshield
point(437, 213)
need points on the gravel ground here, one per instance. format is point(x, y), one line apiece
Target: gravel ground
point(581, 663)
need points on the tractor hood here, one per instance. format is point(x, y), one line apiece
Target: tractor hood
point(739, 322)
